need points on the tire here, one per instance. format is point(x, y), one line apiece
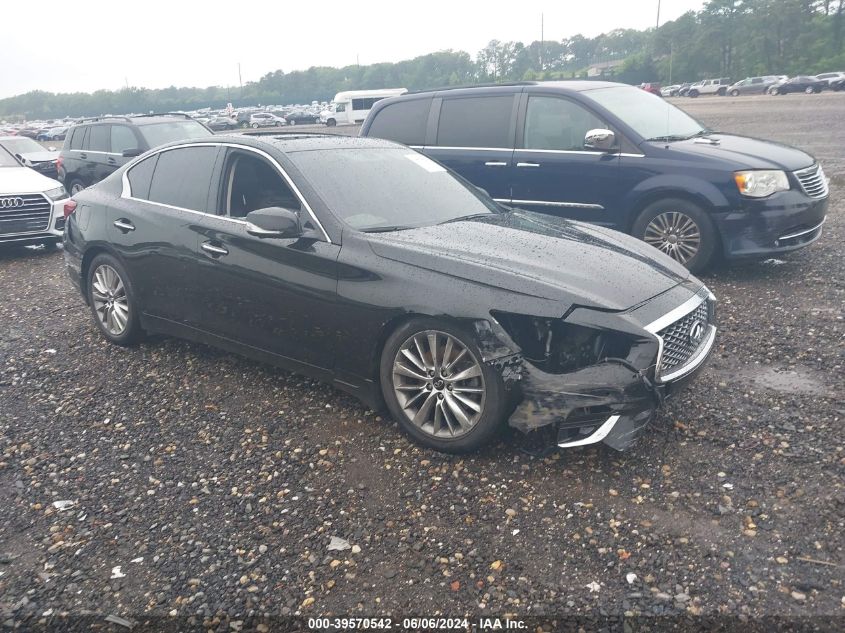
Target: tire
point(721, 92)
point(292, 122)
point(664, 219)
point(244, 125)
point(101, 296)
point(75, 186)
point(331, 123)
point(734, 92)
point(52, 245)
point(809, 90)
point(255, 126)
point(693, 93)
point(439, 427)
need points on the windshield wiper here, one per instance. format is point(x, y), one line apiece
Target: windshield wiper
point(669, 138)
point(387, 229)
point(468, 217)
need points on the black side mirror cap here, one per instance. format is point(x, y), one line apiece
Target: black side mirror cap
point(131, 153)
point(274, 222)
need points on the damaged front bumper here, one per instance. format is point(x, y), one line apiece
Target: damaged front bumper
point(614, 399)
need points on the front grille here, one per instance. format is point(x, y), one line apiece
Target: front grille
point(32, 216)
point(813, 181)
point(678, 345)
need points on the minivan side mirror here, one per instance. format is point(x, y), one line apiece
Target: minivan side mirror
point(132, 152)
point(600, 139)
point(273, 222)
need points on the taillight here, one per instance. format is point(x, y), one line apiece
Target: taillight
point(70, 207)
point(59, 162)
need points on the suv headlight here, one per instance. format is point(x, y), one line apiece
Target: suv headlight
point(56, 194)
point(761, 183)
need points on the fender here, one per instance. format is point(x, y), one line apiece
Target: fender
point(659, 186)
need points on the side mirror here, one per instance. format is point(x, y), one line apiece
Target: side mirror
point(273, 222)
point(600, 139)
point(132, 152)
point(51, 148)
point(483, 190)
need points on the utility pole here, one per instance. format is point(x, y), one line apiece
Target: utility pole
point(240, 81)
point(657, 25)
point(542, 42)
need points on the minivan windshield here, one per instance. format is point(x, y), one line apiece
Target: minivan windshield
point(161, 133)
point(383, 189)
point(648, 115)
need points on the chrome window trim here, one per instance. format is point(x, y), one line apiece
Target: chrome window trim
point(126, 191)
point(479, 149)
point(547, 203)
point(794, 235)
point(681, 311)
point(597, 436)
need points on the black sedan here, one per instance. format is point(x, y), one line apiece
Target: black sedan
point(222, 123)
point(302, 117)
point(800, 83)
point(368, 265)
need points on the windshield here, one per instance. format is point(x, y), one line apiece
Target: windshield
point(648, 115)
point(161, 133)
point(22, 145)
point(7, 160)
point(374, 189)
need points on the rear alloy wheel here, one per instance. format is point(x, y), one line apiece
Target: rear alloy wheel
point(680, 229)
point(111, 301)
point(75, 187)
point(734, 92)
point(438, 388)
point(255, 126)
point(809, 90)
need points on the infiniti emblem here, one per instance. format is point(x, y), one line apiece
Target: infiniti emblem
point(696, 331)
point(10, 203)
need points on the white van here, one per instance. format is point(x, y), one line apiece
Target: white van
point(353, 106)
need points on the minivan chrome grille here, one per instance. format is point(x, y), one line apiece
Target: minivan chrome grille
point(679, 342)
point(28, 213)
point(813, 181)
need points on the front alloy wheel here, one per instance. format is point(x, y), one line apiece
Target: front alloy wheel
point(439, 384)
point(676, 234)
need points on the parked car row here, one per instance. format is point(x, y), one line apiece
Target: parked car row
point(765, 84)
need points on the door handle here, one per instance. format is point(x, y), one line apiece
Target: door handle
point(215, 251)
point(83, 156)
point(496, 163)
point(528, 164)
point(111, 161)
point(124, 225)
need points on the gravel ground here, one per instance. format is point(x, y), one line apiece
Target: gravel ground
point(175, 485)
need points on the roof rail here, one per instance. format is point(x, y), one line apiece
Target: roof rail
point(182, 114)
point(487, 85)
point(94, 119)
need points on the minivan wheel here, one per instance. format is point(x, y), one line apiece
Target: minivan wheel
point(680, 229)
point(75, 187)
point(438, 389)
point(112, 301)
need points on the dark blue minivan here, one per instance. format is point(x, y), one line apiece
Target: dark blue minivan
point(618, 156)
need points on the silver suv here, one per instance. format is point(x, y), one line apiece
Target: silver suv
point(710, 87)
point(265, 119)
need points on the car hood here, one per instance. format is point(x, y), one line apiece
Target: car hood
point(540, 256)
point(40, 157)
point(743, 152)
point(17, 180)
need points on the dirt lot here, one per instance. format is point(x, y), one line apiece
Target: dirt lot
point(204, 489)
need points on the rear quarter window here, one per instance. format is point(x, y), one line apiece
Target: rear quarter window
point(403, 122)
point(140, 177)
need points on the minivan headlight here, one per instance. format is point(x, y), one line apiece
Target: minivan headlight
point(761, 183)
point(56, 194)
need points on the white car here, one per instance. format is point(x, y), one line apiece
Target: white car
point(31, 205)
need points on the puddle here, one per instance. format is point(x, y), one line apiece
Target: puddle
point(793, 381)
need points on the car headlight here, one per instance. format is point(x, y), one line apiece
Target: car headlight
point(56, 194)
point(761, 183)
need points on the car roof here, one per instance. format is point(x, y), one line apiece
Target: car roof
point(573, 85)
point(294, 142)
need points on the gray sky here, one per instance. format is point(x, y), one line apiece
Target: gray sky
point(99, 44)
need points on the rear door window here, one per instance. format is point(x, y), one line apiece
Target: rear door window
point(403, 122)
point(182, 177)
point(98, 138)
point(476, 121)
point(77, 135)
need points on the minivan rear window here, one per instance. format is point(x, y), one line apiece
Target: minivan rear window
point(403, 122)
point(476, 121)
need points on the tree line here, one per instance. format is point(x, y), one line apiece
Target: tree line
point(726, 38)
